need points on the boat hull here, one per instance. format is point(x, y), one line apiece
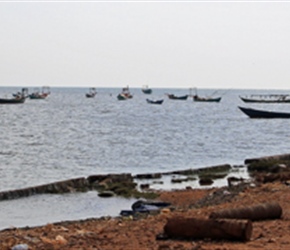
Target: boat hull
point(154, 102)
point(88, 95)
point(173, 97)
point(122, 97)
point(255, 113)
point(250, 100)
point(147, 91)
point(200, 99)
point(12, 101)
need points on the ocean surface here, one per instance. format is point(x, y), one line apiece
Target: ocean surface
point(68, 135)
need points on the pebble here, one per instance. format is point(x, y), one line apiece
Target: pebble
point(20, 247)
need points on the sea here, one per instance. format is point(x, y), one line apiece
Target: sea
point(68, 135)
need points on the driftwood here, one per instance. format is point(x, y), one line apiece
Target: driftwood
point(192, 228)
point(263, 211)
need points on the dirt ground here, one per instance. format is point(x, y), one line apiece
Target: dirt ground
point(140, 232)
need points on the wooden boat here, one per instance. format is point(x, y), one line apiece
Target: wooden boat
point(146, 90)
point(266, 99)
point(40, 95)
point(92, 93)
point(210, 98)
point(18, 98)
point(124, 95)
point(174, 97)
point(37, 95)
point(154, 102)
point(197, 98)
point(15, 100)
point(255, 113)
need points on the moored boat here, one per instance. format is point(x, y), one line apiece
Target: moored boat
point(124, 95)
point(197, 98)
point(146, 90)
point(15, 100)
point(36, 95)
point(40, 95)
point(266, 99)
point(18, 98)
point(256, 113)
point(92, 93)
point(174, 97)
point(154, 102)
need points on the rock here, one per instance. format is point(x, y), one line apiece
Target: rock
point(106, 194)
point(20, 247)
point(205, 181)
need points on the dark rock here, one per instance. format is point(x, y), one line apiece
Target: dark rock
point(148, 176)
point(205, 182)
point(106, 194)
point(144, 186)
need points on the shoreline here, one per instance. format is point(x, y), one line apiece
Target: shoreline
point(127, 232)
point(146, 181)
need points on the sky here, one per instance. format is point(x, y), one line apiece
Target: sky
point(162, 44)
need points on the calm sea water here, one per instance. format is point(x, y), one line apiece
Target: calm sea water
point(68, 135)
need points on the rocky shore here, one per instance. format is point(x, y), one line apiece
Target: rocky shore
point(268, 182)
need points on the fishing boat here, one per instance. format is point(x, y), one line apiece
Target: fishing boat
point(266, 99)
point(125, 94)
point(174, 97)
point(15, 100)
point(146, 90)
point(36, 95)
point(255, 113)
point(154, 102)
point(92, 93)
point(18, 98)
point(40, 94)
point(197, 98)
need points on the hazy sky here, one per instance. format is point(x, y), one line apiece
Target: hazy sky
point(162, 44)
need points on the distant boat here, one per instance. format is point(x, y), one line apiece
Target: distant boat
point(125, 94)
point(92, 93)
point(174, 97)
point(154, 102)
point(40, 94)
point(15, 100)
point(197, 98)
point(37, 95)
point(146, 90)
point(18, 98)
point(255, 113)
point(266, 99)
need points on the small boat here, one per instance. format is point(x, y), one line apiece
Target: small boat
point(124, 95)
point(154, 102)
point(18, 98)
point(92, 93)
point(174, 97)
point(36, 95)
point(40, 95)
point(255, 113)
point(146, 90)
point(266, 99)
point(197, 98)
point(15, 100)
